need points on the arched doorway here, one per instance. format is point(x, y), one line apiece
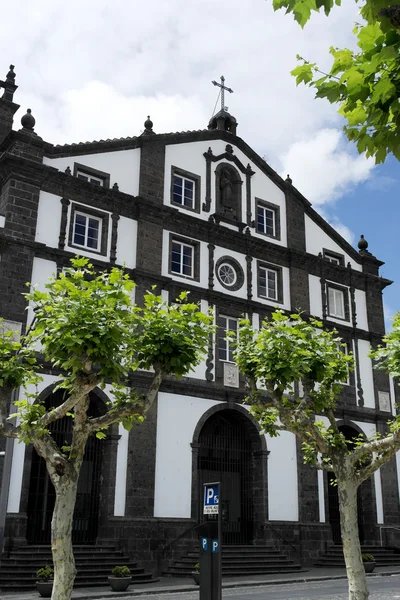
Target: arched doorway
point(41, 498)
point(230, 451)
point(364, 496)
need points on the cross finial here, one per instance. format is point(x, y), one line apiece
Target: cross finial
point(223, 88)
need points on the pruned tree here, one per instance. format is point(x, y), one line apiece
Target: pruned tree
point(365, 84)
point(289, 349)
point(87, 326)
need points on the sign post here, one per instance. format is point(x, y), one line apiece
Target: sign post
point(210, 544)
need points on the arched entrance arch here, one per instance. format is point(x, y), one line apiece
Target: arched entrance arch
point(41, 496)
point(365, 496)
point(228, 448)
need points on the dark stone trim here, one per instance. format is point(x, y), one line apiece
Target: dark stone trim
point(211, 249)
point(279, 271)
point(207, 203)
point(197, 187)
point(323, 286)
point(360, 392)
point(249, 273)
point(277, 211)
point(89, 211)
point(63, 224)
point(114, 237)
point(196, 256)
point(237, 268)
point(210, 358)
point(249, 174)
point(90, 171)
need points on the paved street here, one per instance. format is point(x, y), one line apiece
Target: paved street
point(381, 588)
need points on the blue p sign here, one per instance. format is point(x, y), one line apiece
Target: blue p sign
point(215, 546)
point(211, 499)
point(204, 544)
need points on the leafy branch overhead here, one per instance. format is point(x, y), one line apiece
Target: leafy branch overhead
point(365, 84)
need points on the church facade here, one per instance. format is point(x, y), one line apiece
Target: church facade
point(197, 211)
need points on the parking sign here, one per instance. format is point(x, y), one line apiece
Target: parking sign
point(211, 499)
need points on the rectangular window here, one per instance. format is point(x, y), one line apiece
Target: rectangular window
point(334, 257)
point(225, 344)
point(266, 220)
point(87, 231)
point(90, 175)
point(183, 191)
point(182, 259)
point(336, 303)
point(90, 178)
point(268, 283)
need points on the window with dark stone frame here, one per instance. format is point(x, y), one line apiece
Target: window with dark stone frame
point(185, 190)
point(267, 220)
point(184, 257)
point(90, 175)
point(265, 283)
point(337, 298)
point(83, 229)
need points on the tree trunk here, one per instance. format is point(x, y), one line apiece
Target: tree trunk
point(61, 538)
point(347, 490)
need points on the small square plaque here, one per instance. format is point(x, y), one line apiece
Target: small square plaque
point(14, 326)
point(231, 375)
point(384, 401)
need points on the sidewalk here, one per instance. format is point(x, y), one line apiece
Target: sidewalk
point(167, 585)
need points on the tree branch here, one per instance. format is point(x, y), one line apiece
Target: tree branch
point(377, 446)
point(81, 388)
point(117, 414)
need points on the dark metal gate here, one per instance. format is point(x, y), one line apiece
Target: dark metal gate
point(225, 455)
point(42, 494)
point(334, 514)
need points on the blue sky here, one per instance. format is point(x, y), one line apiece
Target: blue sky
point(95, 69)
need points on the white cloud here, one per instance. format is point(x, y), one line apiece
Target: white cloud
point(96, 70)
point(323, 168)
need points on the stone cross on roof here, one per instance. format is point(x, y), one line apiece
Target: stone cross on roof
point(223, 88)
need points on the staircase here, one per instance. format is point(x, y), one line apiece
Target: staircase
point(93, 564)
point(384, 556)
point(239, 561)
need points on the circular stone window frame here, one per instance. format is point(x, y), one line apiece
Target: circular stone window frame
point(236, 266)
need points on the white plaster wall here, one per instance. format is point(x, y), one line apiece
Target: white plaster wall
point(314, 284)
point(255, 321)
point(122, 165)
point(361, 309)
point(126, 242)
point(283, 501)
point(285, 284)
point(317, 239)
point(121, 472)
point(190, 158)
point(177, 417)
point(366, 375)
point(199, 372)
point(49, 219)
point(17, 465)
point(370, 429)
point(321, 497)
point(42, 270)
point(219, 253)
point(2, 221)
point(203, 262)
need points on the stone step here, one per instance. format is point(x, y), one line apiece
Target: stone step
point(93, 564)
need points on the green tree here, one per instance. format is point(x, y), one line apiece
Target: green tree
point(87, 325)
point(364, 83)
point(289, 349)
